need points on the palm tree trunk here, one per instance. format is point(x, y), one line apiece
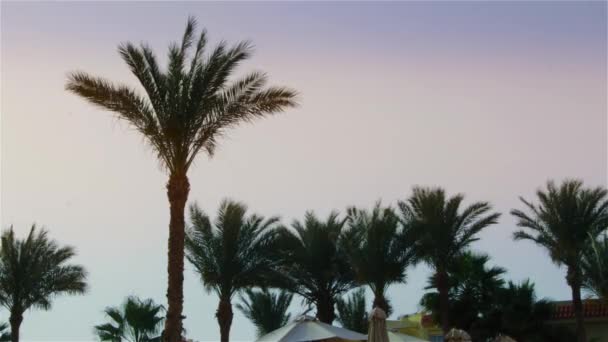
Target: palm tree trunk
point(224, 318)
point(444, 301)
point(573, 279)
point(177, 192)
point(15, 321)
point(325, 310)
point(381, 302)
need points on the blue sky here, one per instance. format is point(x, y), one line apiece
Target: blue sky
point(488, 99)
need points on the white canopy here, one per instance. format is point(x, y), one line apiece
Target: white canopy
point(307, 328)
point(396, 337)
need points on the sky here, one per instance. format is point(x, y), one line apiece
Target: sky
point(486, 99)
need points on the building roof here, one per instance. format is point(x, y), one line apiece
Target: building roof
point(591, 308)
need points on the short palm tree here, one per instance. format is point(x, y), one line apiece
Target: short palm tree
point(231, 254)
point(595, 268)
point(474, 287)
point(376, 253)
point(315, 265)
point(439, 230)
point(33, 271)
point(183, 111)
point(136, 320)
point(564, 222)
point(267, 310)
point(352, 311)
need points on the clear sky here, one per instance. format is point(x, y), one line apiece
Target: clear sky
point(489, 99)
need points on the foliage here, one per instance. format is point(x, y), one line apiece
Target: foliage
point(376, 252)
point(315, 264)
point(595, 268)
point(33, 271)
point(265, 309)
point(352, 312)
point(5, 334)
point(136, 320)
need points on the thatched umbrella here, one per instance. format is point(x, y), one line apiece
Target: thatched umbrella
point(457, 335)
point(377, 326)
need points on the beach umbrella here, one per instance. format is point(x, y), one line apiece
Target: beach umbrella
point(457, 335)
point(503, 338)
point(377, 326)
point(306, 328)
point(397, 337)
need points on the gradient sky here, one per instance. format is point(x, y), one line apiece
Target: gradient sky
point(489, 99)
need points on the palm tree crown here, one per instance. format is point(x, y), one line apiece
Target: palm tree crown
point(136, 320)
point(265, 309)
point(566, 220)
point(315, 263)
point(33, 271)
point(186, 107)
point(376, 252)
point(438, 231)
point(232, 254)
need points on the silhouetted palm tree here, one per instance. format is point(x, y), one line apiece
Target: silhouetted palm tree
point(474, 289)
point(184, 110)
point(595, 268)
point(265, 309)
point(564, 222)
point(439, 231)
point(376, 252)
point(232, 254)
point(352, 311)
point(315, 263)
point(135, 320)
point(33, 271)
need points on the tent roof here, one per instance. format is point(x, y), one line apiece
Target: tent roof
point(307, 328)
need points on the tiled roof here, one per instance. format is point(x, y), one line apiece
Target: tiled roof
point(591, 308)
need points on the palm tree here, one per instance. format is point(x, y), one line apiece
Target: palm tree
point(315, 264)
point(184, 110)
point(564, 222)
point(352, 312)
point(232, 254)
point(5, 335)
point(135, 320)
point(377, 254)
point(438, 231)
point(265, 309)
point(595, 268)
point(33, 271)
point(474, 287)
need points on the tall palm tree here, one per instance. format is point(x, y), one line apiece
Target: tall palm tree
point(265, 309)
point(183, 111)
point(439, 230)
point(352, 312)
point(315, 264)
point(595, 268)
point(377, 254)
point(231, 254)
point(33, 271)
point(564, 222)
point(136, 320)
